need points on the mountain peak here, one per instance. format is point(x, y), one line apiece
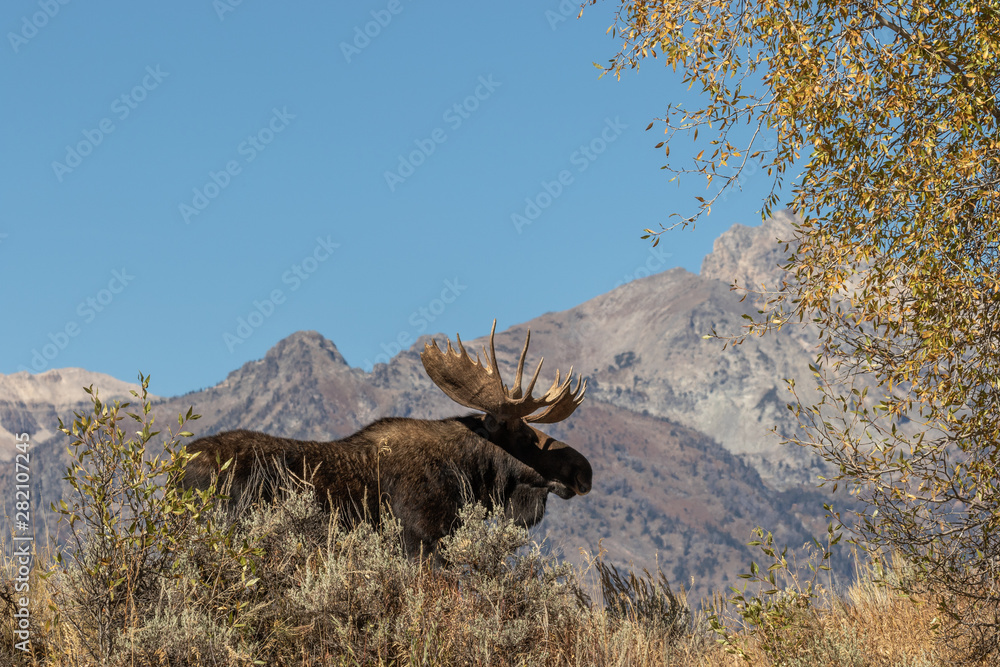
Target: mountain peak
point(751, 256)
point(305, 343)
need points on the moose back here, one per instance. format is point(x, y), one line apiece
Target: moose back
point(424, 471)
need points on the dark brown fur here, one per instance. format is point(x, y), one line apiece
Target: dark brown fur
point(424, 471)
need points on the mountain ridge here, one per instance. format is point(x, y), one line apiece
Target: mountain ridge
point(679, 430)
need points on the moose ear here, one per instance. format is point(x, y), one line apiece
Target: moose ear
point(546, 442)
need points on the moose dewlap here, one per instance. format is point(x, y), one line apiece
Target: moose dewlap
point(426, 470)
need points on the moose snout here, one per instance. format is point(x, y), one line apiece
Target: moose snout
point(581, 476)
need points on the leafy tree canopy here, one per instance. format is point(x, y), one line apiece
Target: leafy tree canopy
point(888, 113)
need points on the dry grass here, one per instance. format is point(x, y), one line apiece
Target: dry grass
point(323, 596)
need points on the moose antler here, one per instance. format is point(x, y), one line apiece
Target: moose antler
point(478, 385)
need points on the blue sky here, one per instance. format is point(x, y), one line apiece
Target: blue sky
point(185, 184)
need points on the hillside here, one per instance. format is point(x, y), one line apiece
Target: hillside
point(678, 430)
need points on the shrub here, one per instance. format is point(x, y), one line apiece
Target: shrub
point(646, 601)
point(129, 522)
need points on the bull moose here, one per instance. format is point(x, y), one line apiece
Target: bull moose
point(424, 471)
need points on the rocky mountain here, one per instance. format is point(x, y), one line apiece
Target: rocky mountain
point(33, 403)
point(641, 346)
point(679, 430)
point(751, 257)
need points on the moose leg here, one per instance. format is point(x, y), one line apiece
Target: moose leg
point(424, 524)
point(415, 546)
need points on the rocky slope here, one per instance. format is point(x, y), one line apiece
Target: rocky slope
point(751, 257)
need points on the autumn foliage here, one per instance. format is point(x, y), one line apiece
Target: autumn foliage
point(886, 113)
